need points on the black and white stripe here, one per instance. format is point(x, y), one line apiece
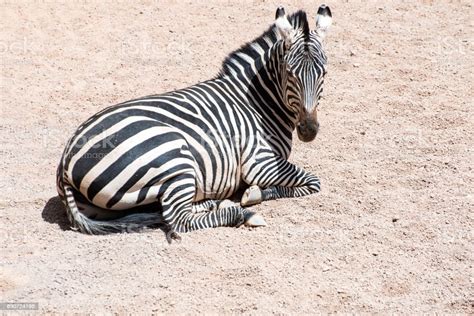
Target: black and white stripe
point(182, 152)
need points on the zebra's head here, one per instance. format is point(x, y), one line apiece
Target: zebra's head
point(303, 66)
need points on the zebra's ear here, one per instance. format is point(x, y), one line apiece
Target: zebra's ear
point(284, 27)
point(323, 20)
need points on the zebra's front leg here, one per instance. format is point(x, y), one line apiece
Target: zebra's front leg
point(280, 179)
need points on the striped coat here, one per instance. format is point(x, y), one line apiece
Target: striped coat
point(180, 154)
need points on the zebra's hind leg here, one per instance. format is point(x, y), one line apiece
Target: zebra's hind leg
point(205, 206)
point(251, 219)
point(177, 199)
point(211, 205)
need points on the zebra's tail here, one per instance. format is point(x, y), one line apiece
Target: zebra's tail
point(129, 223)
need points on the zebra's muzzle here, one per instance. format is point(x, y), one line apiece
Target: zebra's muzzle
point(307, 130)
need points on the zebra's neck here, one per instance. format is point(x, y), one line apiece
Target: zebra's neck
point(256, 69)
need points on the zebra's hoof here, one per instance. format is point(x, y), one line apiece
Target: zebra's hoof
point(226, 204)
point(254, 220)
point(252, 196)
point(172, 236)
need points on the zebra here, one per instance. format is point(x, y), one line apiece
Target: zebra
point(173, 160)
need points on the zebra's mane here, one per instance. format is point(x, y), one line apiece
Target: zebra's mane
point(299, 22)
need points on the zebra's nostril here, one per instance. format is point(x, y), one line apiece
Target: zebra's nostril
point(307, 130)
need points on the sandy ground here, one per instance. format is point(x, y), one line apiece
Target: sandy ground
point(391, 230)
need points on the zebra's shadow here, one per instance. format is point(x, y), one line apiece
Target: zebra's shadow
point(54, 212)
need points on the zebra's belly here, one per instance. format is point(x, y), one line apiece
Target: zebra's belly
point(204, 194)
